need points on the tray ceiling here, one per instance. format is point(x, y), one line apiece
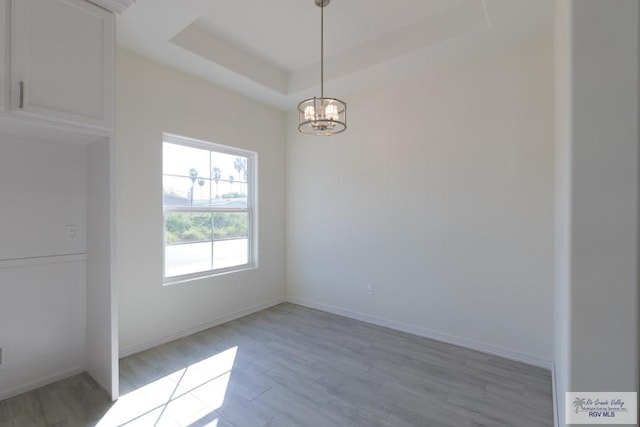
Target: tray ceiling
point(270, 50)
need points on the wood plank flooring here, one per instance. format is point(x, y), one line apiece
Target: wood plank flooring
point(293, 366)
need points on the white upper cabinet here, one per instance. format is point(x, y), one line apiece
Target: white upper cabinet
point(62, 62)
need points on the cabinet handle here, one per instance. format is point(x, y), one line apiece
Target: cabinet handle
point(21, 102)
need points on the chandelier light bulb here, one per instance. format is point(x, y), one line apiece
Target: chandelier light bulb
point(331, 112)
point(309, 112)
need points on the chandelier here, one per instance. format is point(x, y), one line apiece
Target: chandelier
point(322, 116)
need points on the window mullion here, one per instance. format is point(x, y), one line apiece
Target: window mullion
point(213, 236)
point(179, 209)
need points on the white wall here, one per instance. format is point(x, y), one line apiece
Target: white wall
point(42, 190)
point(440, 194)
point(152, 99)
point(42, 286)
point(597, 308)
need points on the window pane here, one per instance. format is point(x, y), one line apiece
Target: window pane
point(202, 193)
point(231, 170)
point(188, 243)
point(185, 161)
point(229, 253)
point(230, 225)
point(227, 189)
point(187, 227)
point(187, 258)
point(177, 192)
point(231, 202)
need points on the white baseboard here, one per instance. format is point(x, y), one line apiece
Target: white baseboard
point(128, 351)
point(426, 333)
point(7, 394)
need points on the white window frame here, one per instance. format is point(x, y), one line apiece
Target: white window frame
point(251, 210)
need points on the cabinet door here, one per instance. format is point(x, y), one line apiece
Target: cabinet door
point(62, 61)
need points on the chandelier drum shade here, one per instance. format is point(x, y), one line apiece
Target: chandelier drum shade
point(322, 116)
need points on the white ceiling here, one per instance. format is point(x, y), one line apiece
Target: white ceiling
point(270, 50)
point(292, 41)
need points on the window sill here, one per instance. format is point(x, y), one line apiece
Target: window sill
point(169, 281)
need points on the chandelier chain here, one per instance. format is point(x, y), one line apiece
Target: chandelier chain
point(322, 51)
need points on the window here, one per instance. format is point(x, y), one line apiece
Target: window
point(209, 209)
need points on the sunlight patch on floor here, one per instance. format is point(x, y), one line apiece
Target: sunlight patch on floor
point(182, 398)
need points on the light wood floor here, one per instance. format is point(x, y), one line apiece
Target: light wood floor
point(293, 366)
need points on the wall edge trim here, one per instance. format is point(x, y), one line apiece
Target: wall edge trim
point(42, 260)
point(554, 397)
